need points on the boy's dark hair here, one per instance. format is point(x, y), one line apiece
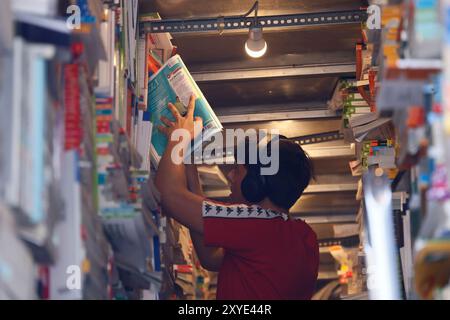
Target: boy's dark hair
point(295, 172)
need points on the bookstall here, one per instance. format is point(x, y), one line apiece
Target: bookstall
point(360, 85)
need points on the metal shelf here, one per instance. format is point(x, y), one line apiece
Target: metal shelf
point(241, 22)
point(273, 116)
point(343, 69)
point(318, 137)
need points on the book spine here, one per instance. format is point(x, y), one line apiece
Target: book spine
point(356, 103)
point(129, 112)
point(38, 123)
point(73, 129)
point(354, 96)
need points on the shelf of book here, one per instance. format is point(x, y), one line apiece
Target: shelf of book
point(402, 136)
point(89, 138)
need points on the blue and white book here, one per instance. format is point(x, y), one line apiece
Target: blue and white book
point(173, 83)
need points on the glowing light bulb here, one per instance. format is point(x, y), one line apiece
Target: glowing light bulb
point(255, 46)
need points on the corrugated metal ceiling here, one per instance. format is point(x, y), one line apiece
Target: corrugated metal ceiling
point(287, 47)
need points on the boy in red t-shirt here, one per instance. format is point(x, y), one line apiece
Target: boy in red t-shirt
point(259, 251)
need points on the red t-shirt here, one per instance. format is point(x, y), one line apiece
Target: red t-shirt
point(267, 255)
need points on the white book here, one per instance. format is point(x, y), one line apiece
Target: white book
point(362, 83)
point(358, 113)
point(144, 144)
point(212, 176)
point(106, 68)
point(142, 80)
point(131, 22)
point(362, 110)
point(6, 27)
point(370, 126)
point(361, 119)
point(407, 252)
point(379, 159)
point(355, 96)
point(67, 234)
point(6, 91)
point(149, 137)
point(38, 7)
point(138, 131)
point(117, 80)
point(357, 103)
point(13, 192)
point(17, 269)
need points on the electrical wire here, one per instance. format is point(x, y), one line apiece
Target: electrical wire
point(221, 18)
point(245, 15)
point(254, 8)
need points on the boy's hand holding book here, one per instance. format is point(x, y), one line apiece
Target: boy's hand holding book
point(193, 126)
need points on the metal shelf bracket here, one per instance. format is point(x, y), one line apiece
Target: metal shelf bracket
point(245, 22)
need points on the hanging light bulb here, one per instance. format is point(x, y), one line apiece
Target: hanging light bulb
point(255, 46)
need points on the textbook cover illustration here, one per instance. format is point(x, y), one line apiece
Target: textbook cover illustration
point(173, 83)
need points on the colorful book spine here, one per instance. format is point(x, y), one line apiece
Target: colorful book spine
point(72, 116)
point(377, 148)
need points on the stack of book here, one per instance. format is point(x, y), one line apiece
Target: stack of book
point(359, 118)
point(149, 250)
point(72, 171)
point(86, 248)
point(378, 152)
point(354, 105)
point(184, 263)
point(153, 51)
point(132, 229)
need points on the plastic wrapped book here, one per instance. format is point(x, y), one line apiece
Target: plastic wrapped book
point(174, 84)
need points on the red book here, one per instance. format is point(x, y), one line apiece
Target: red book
point(72, 115)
